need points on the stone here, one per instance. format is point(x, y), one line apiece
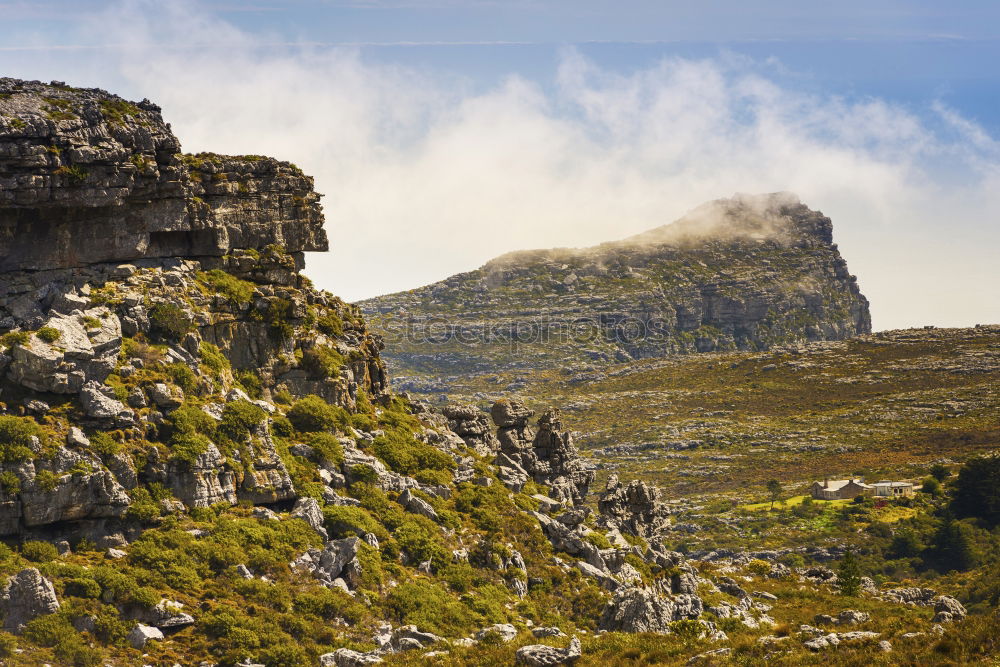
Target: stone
point(637, 609)
point(949, 609)
point(505, 631)
point(166, 397)
point(473, 427)
point(635, 508)
point(168, 614)
point(344, 657)
point(417, 505)
point(308, 510)
point(408, 637)
point(540, 655)
point(25, 596)
point(141, 634)
point(76, 438)
point(100, 406)
point(603, 578)
point(337, 560)
point(545, 631)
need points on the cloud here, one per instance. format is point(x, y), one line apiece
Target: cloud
point(427, 174)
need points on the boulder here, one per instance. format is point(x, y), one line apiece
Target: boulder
point(635, 508)
point(505, 631)
point(25, 596)
point(141, 634)
point(345, 657)
point(540, 655)
point(636, 609)
point(417, 505)
point(948, 609)
point(308, 510)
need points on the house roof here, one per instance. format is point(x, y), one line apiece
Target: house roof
point(837, 484)
point(885, 483)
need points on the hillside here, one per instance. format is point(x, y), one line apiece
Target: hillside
point(203, 461)
point(745, 273)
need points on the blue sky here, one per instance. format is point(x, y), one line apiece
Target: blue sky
point(447, 132)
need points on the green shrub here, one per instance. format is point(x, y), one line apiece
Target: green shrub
point(345, 520)
point(239, 418)
point(598, 540)
point(10, 483)
point(48, 334)
point(322, 361)
point(109, 626)
point(38, 551)
point(182, 376)
point(238, 291)
point(328, 447)
point(8, 645)
point(311, 413)
point(14, 338)
point(328, 604)
point(169, 320)
point(187, 447)
point(428, 606)
point(102, 443)
point(405, 454)
point(433, 477)
point(761, 568)
point(143, 507)
point(330, 324)
point(213, 359)
point(46, 480)
point(251, 384)
point(82, 588)
point(420, 538)
point(16, 435)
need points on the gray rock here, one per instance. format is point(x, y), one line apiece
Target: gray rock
point(141, 634)
point(635, 508)
point(505, 631)
point(540, 655)
point(417, 505)
point(309, 511)
point(544, 631)
point(101, 406)
point(25, 596)
point(408, 637)
point(635, 609)
point(949, 609)
point(344, 657)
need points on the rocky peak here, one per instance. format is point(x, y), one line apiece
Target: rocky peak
point(88, 177)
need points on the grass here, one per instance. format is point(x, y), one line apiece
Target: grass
point(792, 502)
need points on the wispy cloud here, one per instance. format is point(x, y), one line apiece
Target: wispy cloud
point(426, 175)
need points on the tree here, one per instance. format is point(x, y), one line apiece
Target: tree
point(931, 486)
point(940, 472)
point(849, 575)
point(953, 547)
point(977, 490)
point(774, 490)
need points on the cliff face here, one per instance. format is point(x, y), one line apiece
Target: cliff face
point(136, 280)
point(88, 177)
point(743, 273)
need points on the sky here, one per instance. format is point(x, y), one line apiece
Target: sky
point(446, 132)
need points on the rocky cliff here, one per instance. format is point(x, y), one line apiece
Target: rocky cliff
point(749, 272)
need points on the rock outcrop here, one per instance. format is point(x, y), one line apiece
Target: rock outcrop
point(25, 596)
point(546, 456)
point(634, 508)
point(87, 177)
point(750, 272)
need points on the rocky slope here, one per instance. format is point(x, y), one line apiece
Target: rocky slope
point(202, 462)
point(744, 273)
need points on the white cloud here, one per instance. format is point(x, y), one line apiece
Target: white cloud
point(425, 175)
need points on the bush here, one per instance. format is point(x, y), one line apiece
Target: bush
point(182, 376)
point(46, 480)
point(213, 359)
point(15, 338)
point(312, 413)
point(328, 447)
point(405, 454)
point(48, 334)
point(16, 435)
point(251, 384)
point(102, 443)
point(82, 588)
point(761, 568)
point(8, 645)
point(38, 551)
point(238, 291)
point(169, 320)
point(345, 520)
point(330, 324)
point(239, 418)
point(187, 447)
point(10, 483)
point(428, 606)
point(931, 487)
point(322, 361)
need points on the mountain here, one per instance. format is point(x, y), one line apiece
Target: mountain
point(203, 460)
point(744, 273)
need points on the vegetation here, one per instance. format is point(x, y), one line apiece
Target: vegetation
point(169, 320)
